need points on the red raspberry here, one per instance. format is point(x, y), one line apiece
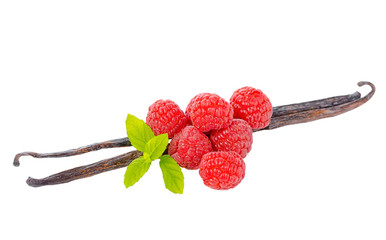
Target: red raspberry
point(165, 116)
point(236, 137)
point(222, 170)
point(188, 146)
point(253, 106)
point(208, 111)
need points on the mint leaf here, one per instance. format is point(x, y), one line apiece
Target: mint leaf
point(136, 169)
point(156, 146)
point(143, 139)
point(138, 132)
point(172, 174)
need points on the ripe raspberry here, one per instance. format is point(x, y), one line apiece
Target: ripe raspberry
point(165, 116)
point(222, 170)
point(188, 146)
point(236, 137)
point(253, 106)
point(208, 111)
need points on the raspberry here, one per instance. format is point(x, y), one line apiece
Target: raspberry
point(253, 106)
point(222, 170)
point(236, 137)
point(188, 146)
point(208, 111)
point(165, 116)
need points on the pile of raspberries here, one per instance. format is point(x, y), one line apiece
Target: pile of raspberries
point(213, 135)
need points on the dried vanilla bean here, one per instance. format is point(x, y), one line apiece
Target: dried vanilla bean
point(86, 171)
point(120, 142)
point(317, 104)
point(315, 110)
point(282, 116)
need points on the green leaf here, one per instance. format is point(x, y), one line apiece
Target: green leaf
point(138, 132)
point(172, 174)
point(136, 170)
point(156, 146)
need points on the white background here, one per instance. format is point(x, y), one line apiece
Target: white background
point(70, 71)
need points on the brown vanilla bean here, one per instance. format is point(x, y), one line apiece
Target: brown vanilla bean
point(120, 142)
point(318, 110)
point(86, 171)
point(282, 116)
point(317, 104)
